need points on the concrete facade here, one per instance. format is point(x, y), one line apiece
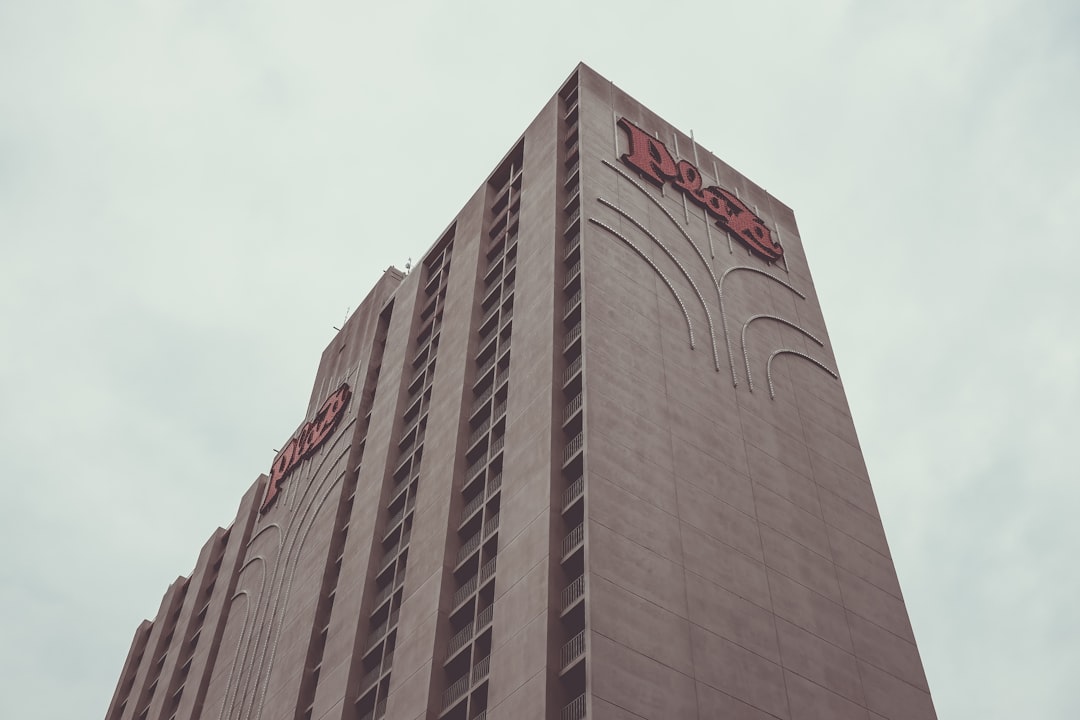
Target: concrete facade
point(596, 463)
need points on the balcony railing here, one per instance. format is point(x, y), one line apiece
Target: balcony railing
point(379, 632)
point(573, 592)
point(459, 640)
point(572, 408)
point(370, 679)
point(481, 669)
point(481, 401)
point(573, 271)
point(403, 464)
point(498, 225)
point(491, 525)
point(425, 313)
point(468, 548)
point(572, 302)
point(395, 550)
point(573, 447)
point(393, 521)
point(486, 342)
point(411, 426)
point(487, 571)
point(422, 352)
point(575, 709)
point(489, 314)
point(572, 650)
point(572, 540)
point(464, 591)
point(479, 432)
point(376, 713)
point(572, 336)
point(387, 591)
point(406, 443)
point(493, 485)
point(455, 692)
point(433, 282)
point(485, 367)
point(399, 488)
point(475, 469)
point(572, 246)
point(501, 201)
point(572, 493)
point(571, 370)
point(425, 331)
point(492, 274)
point(416, 376)
point(484, 618)
point(389, 558)
point(470, 508)
point(414, 404)
point(490, 292)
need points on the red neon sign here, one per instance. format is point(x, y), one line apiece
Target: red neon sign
point(306, 442)
point(651, 158)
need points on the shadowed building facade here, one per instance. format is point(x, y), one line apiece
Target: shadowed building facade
point(591, 458)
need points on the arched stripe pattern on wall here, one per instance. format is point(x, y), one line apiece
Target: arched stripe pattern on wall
point(646, 258)
point(667, 251)
point(752, 318)
point(248, 680)
point(804, 356)
point(718, 284)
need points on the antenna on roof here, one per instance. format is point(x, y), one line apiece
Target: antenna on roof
point(408, 266)
point(347, 309)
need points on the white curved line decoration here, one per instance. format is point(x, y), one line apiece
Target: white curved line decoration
point(717, 283)
point(264, 528)
point(690, 240)
point(249, 678)
point(288, 590)
point(270, 626)
point(723, 312)
point(248, 622)
point(671, 255)
point(657, 270)
point(318, 460)
point(804, 356)
point(239, 642)
point(763, 316)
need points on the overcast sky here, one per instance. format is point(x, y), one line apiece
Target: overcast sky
point(193, 193)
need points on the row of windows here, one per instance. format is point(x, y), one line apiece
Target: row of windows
point(467, 658)
point(336, 555)
point(570, 572)
point(377, 651)
point(175, 684)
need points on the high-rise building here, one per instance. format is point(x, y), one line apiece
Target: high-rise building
point(590, 458)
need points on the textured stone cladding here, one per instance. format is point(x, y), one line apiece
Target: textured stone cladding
point(596, 462)
point(738, 565)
